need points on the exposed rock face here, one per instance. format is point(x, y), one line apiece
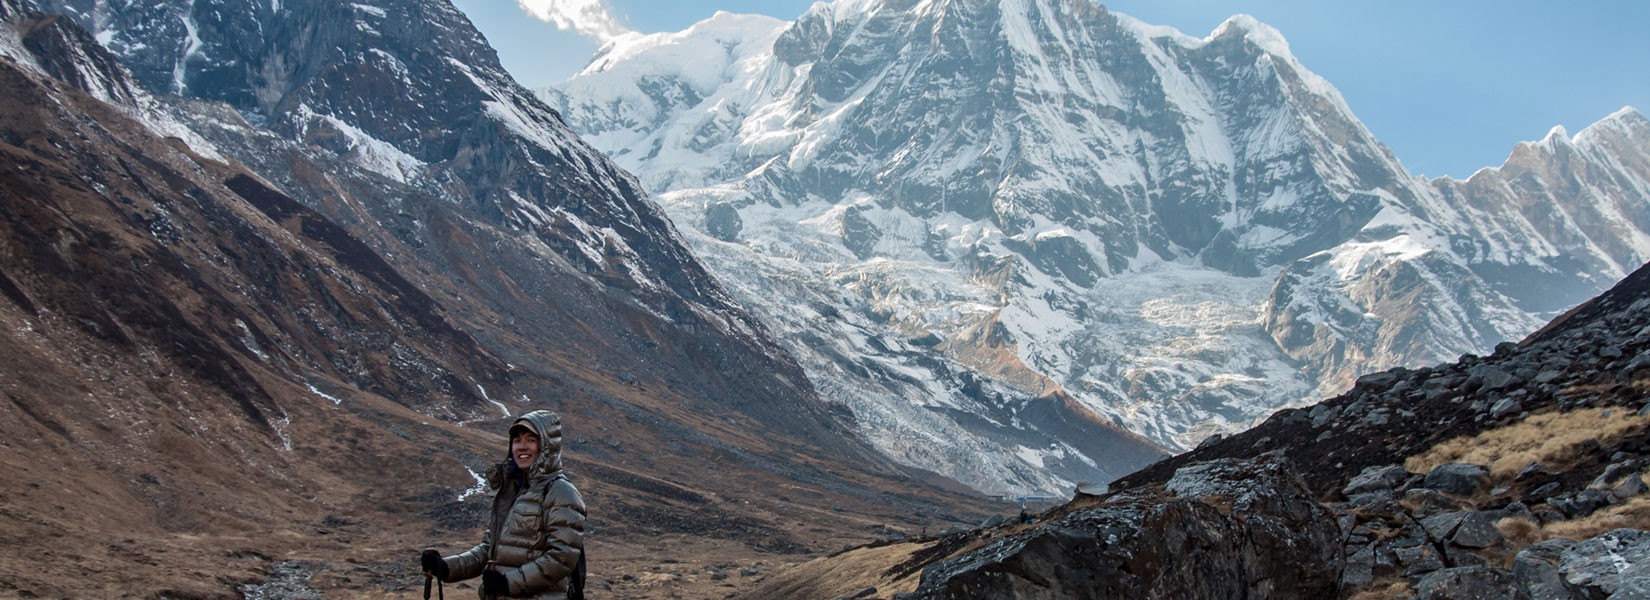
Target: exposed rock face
point(395, 121)
point(1181, 234)
point(234, 327)
point(1223, 529)
point(1387, 483)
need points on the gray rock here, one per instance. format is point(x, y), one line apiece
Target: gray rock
point(1462, 557)
point(1428, 502)
point(1476, 583)
point(1377, 502)
point(1634, 588)
point(722, 222)
point(1377, 381)
point(1229, 525)
point(1505, 407)
point(1599, 567)
point(1633, 486)
point(1441, 526)
point(1461, 479)
point(1545, 492)
point(1615, 471)
point(1375, 479)
point(1488, 378)
point(1477, 530)
point(1323, 414)
point(1536, 568)
point(1426, 564)
point(1360, 567)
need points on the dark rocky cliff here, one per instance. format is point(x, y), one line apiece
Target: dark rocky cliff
point(1515, 475)
point(232, 359)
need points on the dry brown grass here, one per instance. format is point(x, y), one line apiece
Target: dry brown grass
point(1519, 531)
point(1377, 591)
point(1634, 513)
point(843, 575)
point(1551, 439)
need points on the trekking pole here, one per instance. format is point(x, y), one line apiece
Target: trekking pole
point(439, 593)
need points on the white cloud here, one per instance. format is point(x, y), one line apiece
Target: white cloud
point(589, 18)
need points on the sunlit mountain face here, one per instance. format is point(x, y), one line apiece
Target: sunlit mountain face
point(958, 214)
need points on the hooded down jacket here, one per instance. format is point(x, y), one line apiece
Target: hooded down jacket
point(537, 530)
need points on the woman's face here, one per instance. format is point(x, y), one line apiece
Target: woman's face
point(524, 448)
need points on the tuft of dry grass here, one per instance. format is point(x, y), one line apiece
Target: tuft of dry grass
point(1520, 531)
point(1399, 589)
point(1634, 514)
point(1550, 439)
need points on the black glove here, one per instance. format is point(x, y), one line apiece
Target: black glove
point(433, 565)
point(493, 583)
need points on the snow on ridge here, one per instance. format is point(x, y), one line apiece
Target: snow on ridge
point(142, 106)
point(371, 10)
point(505, 108)
point(1352, 259)
point(370, 153)
point(1148, 31)
point(684, 52)
point(11, 46)
point(1625, 122)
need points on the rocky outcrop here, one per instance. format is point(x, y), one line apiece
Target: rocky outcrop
point(1444, 530)
point(1517, 475)
point(1222, 529)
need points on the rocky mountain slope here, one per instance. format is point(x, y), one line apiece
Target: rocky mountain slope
point(1520, 474)
point(984, 204)
point(254, 348)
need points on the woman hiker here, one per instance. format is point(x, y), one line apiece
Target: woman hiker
point(535, 539)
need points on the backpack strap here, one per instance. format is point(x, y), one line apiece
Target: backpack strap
point(575, 580)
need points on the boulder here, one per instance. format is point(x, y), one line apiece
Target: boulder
point(1599, 567)
point(1536, 568)
point(1220, 529)
point(1374, 479)
point(1427, 502)
point(1460, 479)
point(1476, 583)
point(1477, 530)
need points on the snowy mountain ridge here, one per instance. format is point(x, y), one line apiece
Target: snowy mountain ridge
point(987, 203)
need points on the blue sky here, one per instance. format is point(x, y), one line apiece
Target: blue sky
point(1450, 86)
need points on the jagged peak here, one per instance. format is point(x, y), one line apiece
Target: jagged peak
point(722, 26)
point(1555, 135)
point(1627, 123)
point(1260, 34)
point(1152, 32)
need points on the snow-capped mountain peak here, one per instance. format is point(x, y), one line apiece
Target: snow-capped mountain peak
point(992, 203)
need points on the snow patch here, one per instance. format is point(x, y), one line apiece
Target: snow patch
point(501, 407)
point(318, 392)
point(475, 490)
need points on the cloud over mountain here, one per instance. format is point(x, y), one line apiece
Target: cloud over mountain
point(590, 18)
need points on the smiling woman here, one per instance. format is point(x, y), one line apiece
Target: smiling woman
point(534, 541)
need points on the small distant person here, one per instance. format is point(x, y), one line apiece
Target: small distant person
point(535, 539)
point(1025, 517)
